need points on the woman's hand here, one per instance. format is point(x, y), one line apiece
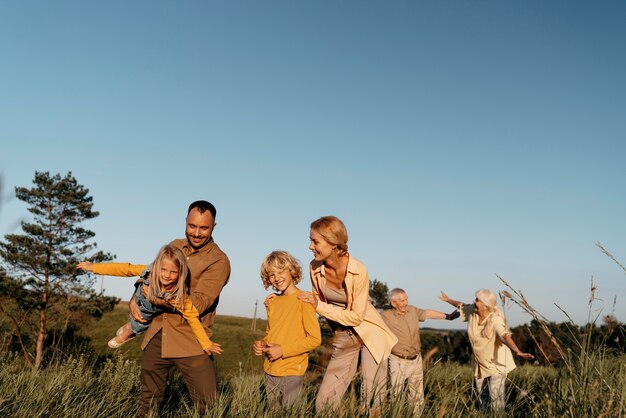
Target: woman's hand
point(526, 356)
point(268, 299)
point(443, 296)
point(508, 341)
point(309, 298)
point(215, 348)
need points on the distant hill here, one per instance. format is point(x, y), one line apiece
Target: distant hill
point(442, 331)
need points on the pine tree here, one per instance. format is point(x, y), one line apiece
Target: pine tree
point(44, 257)
point(379, 294)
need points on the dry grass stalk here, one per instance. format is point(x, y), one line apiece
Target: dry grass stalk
point(521, 301)
point(608, 254)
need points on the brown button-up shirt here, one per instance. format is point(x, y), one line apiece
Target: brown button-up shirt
point(407, 329)
point(209, 270)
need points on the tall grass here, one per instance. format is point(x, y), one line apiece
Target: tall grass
point(71, 389)
point(591, 381)
point(77, 388)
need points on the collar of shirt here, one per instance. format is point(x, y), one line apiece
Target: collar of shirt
point(204, 249)
point(352, 267)
point(398, 313)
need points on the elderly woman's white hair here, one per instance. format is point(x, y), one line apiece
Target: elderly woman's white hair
point(487, 297)
point(490, 300)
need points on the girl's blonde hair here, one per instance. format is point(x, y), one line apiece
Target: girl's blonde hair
point(279, 261)
point(176, 256)
point(333, 231)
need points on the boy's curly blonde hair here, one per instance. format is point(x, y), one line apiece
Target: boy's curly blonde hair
point(279, 261)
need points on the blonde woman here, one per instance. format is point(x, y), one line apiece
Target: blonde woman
point(491, 345)
point(341, 295)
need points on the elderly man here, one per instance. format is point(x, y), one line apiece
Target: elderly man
point(405, 361)
point(170, 342)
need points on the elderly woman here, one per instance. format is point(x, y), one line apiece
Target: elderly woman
point(341, 295)
point(491, 345)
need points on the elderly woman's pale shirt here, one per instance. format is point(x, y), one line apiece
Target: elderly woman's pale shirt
point(491, 356)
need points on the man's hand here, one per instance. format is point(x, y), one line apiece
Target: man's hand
point(158, 302)
point(135, 312)
point(145, 291)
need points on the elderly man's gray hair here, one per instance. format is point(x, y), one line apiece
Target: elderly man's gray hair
point(394, 293)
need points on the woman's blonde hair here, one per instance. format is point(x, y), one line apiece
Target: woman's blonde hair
point(333, 231)
point(279, 261)
point(176, 256)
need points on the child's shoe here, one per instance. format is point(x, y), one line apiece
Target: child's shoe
point(113, 343)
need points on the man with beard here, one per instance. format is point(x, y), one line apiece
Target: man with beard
point(170, 342)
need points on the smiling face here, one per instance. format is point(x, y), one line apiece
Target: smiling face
point(321, 248)
point(169, 274)
point(282, 281)
point(199, 228)
point(400, 303)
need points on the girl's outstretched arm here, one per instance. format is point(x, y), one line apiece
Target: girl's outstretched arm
point(191, 315)
point(113, 269)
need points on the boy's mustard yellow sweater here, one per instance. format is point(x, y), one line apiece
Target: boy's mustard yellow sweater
point(293, 325)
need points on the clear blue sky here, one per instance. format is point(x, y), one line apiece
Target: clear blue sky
point(455, 139)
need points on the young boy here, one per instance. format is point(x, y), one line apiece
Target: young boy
point(292, 330)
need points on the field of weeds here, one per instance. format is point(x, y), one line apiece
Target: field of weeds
point(76, 387)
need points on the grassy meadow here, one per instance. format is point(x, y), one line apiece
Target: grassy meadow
point(234, 334)
point(589, 384)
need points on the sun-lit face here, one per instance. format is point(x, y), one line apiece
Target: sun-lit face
point(282, 281)
point(321, 248)
point(400, 303)
point(199, 228)
point(169, 274)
